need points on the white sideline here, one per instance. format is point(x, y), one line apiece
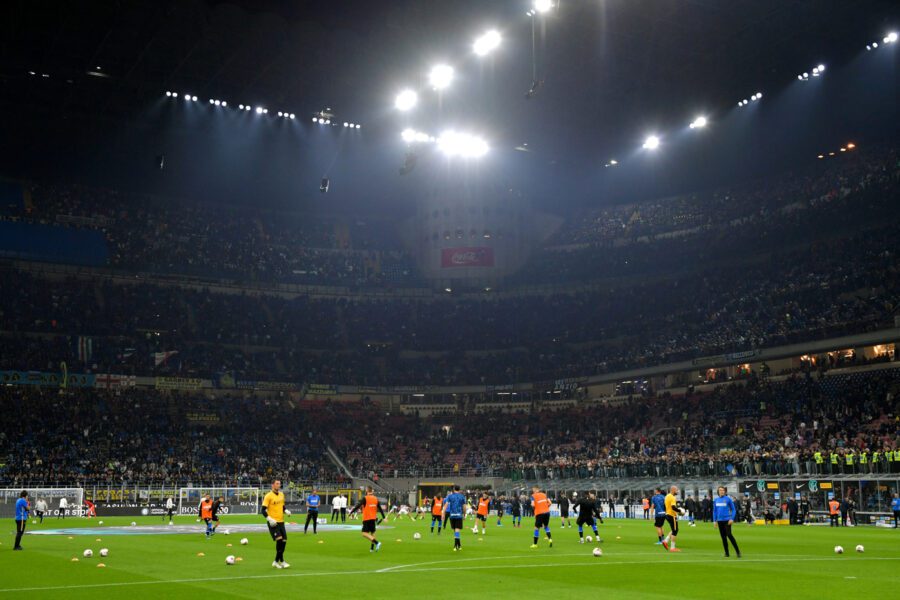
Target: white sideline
point(592, 563)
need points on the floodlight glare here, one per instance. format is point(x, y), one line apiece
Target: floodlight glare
point(193, 98)
point(346, 124)
point(821, 68)
point(699, 123)
point(543, 6)
point(487, 42)
point(406, 100)
point(292, 116)
point(651, 143)
point(187, 97)
point(259, 110)
point(408, 135)
point(891, 37)
point(358, 125)
point(169, 94)
point(440, 76)
point(874, 44)
point(463, 145)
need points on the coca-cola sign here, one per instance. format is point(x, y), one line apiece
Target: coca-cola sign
point(467, 257)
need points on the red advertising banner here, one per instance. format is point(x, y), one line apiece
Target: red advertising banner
point(467, 257)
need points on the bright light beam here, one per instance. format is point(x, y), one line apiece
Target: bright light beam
point(487, 42)
point(440, 76)
point(651, 143)
point(406, 100)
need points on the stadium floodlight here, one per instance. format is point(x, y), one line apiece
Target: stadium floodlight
point(259, 110)
point(187, 97)
point(651, 143)
point(821, 68)
point(440, 76)
point(821, 156)
point(464, 145)
point(699, 123)
point(358, 126)
point(868, 46)
point(406, 100)
point(280, 114)
point(315, 120)
point(193, 98)
point(543, 6)
point(346, 124)
point(292, 116)
point(487, 42)
point(851, 146)
point(613, 162)
point(168, 94)
point(408, 135)
point(890, 38)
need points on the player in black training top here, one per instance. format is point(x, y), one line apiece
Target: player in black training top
point(564, 511)
point(587, 512)
point(515, 507)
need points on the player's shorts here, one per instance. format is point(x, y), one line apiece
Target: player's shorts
point(368, 526)
point(435, 517)
point(585, 520)
point(215, 518)
point(456, 523)
point(564, 514)
point(673, 523)
point(517, 513)
point(660, 520)
point(542, 520)
point(482, 518)
point(277, 530)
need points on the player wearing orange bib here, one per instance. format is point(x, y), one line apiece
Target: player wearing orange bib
point(484, 504)
point(541, 505)
point(437, 511)
point(206, 514)
point(370, 509)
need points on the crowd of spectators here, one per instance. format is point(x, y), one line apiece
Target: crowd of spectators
point(755, 428)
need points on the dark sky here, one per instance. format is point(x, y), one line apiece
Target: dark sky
point(614, 71)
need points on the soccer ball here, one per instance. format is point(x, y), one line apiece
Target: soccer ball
point(475, 529)
point(681, 511)
point(597, 552)
point(88, 553)
point(244, 541)
point(104, 551)
point(229, 560)
point(99, 522)
point(589, 539)
point(859, 548)
point(418, 535)
point(227, 532)
point(133, 524)
point(838, 549)
point(171, 523)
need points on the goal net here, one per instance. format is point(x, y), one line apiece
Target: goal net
point(238, 500)
point(51, 497)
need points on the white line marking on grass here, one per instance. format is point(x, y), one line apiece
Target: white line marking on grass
point(592, 563)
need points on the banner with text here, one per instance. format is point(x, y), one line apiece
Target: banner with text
point(482, 256)
point(178, 383)
point(42, 378)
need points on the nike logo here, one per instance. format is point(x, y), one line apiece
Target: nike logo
point(799, 487)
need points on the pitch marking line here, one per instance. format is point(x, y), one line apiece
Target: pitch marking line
point(594, 563)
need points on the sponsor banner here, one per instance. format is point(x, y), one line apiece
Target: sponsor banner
point(371, 389)
point(720, 358)
point(42, 378)
point(321, 389)
point(279, 386)
point(110, 381)
point(482, 256)
point(570, 383)
point(178, 383)
point(224, 381)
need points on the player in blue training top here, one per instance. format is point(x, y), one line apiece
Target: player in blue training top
point(658, 501)
point(724, 513)
point(21, 518)
point(312, 511)
point(895, 506)
point(454, 508)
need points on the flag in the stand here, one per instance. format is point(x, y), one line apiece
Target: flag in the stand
point(161, 357)
point(84, 347)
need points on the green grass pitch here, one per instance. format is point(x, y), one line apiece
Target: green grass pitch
point(786, 562)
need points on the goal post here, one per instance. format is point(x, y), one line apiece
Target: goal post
point(238, 500)
point(50, 495)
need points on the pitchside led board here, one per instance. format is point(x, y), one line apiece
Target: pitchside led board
point(788, 488)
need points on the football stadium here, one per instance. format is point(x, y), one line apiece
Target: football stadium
point(433, 298)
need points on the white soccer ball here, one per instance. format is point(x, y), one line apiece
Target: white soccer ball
point(226, 532)
point(104, 551)
point(171, 523)
point(859, 548)
point(244, 541)
point(589, 539)
point(133, 524)
point(88, 553)
point(229, 560)
point(597, 552)
point(475, 529)
point(418, 535)
point(99, 522)
point(838, 549)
